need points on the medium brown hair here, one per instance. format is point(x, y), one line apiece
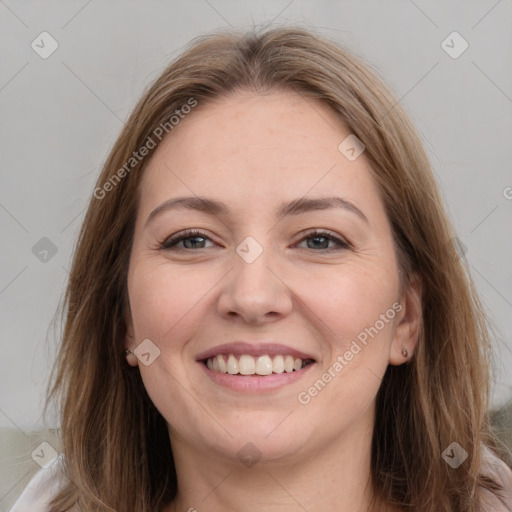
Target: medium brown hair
point(116, 444)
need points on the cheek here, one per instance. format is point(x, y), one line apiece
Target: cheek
point(349, 299)
point(165, 302)
point(356, 317)
point(165, 306)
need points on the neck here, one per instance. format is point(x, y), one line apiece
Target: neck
point(335, 477)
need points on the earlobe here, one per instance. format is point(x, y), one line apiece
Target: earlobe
point(131, 359)
point(407, 329)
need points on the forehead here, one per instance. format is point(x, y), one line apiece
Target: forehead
point(251, 146)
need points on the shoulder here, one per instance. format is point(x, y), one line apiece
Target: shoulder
point(495, 468)
point(41, 489)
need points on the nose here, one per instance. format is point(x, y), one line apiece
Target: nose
point(255, 292)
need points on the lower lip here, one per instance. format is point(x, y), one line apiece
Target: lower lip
point(253, 383)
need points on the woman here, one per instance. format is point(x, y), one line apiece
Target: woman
point(266, 309)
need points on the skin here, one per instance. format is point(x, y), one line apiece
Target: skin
point(254, 151)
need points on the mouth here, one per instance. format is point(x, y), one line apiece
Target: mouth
point(245, 367)
point(263, 365)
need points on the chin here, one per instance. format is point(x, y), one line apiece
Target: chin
point(265, 437)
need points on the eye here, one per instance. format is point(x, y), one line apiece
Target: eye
point(320, 241)
point(191, 238)
point(196, 239)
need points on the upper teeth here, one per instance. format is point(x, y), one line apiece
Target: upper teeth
point(249, 365)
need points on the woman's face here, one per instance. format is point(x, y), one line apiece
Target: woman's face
point(257, 287)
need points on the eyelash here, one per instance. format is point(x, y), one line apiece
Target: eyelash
point(170, 243)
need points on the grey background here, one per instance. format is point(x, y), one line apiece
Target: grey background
point(61, 115)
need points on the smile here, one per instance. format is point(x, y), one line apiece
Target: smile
point(263, 365)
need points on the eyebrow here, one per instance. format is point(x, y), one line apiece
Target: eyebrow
point(295, 207)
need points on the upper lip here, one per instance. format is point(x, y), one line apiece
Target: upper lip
point(253, 349)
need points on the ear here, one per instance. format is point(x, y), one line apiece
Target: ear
point(408, 323)
point(129, 342)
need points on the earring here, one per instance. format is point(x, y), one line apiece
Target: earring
point(404, 352)
point(126, 352)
